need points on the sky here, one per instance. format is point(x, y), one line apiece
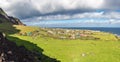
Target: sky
point(65, 13)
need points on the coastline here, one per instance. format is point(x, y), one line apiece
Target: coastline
point(112, 30)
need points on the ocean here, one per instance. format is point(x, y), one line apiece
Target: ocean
point(114, 30)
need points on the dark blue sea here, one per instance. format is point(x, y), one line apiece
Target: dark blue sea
point(114, 30)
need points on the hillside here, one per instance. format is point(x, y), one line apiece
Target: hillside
point(4, 18)
point(9, 50)
point(7, 23)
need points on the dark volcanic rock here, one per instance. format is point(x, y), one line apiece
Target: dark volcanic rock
point(15, 21)
point(10, 52)
point(5, 18)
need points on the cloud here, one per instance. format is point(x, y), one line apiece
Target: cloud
point(37, 10)
point(30, 8)
point(111, 4)
point(87, 15)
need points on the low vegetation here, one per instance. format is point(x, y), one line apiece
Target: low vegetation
point(94, 46)
point(104, 49)
point(67, 34)
point(75, 50)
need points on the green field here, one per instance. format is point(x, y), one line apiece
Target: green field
point(76, 50)
point(68, 50)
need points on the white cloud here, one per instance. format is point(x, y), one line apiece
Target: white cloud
point(62, 9)
point(48, 6)
point(89, 15)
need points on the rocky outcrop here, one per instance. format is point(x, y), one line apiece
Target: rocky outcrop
point(5, 18)
point(10, 52)
point(15, 21)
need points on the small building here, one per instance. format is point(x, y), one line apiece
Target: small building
point(72, 36)
point(51, 32)
point(83, 35)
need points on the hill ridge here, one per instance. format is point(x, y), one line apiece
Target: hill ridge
point(4, 18)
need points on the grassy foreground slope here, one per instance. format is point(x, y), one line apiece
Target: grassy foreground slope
point(67, 50)
point(76, 50)
point(9, 28)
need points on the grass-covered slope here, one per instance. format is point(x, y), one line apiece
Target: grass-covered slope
point(105, 49)
point(65, 45)
point(9, 28)
point(75, 50)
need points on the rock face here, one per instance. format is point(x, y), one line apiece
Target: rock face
point(15, 21)
point(5, 18)
point(10, 52)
